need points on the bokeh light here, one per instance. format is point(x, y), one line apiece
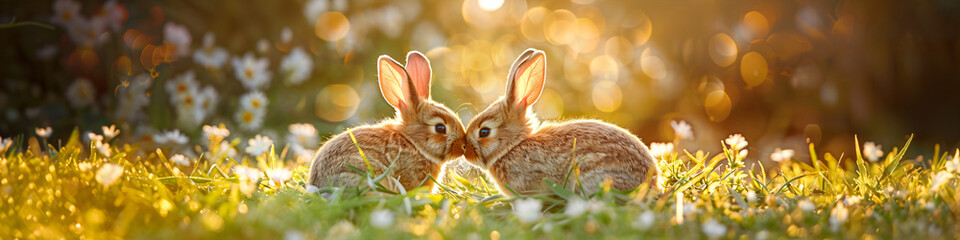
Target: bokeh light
point(332, 26)
point(607, 96)
point(723, 50)
point(753, 69)
point(337, 102)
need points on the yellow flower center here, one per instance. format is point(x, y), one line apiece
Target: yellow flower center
point(67, 15)
point(248, 72)
point(255, 103)
point(247, 117)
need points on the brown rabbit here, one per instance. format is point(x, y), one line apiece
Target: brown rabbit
point(519, 152)
point(418, 141)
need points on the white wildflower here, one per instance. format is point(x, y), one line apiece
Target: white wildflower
point(44, 132)
point(178, 37)
point(303, 134)
point(102, 148)
point(210, 56)
point(872, 151)
point(286, 35)
point(954, 164)
point(838, 216)
point(780, 155)
point(88, 32)
point(259, 145)
point(645, 220)
point(263, 46)
point(132, 97)
point(714, 229)
point(577, 207)
point(806, 205)
point(751, 196)
point(66, 13)
point(297, 66)
point(180, 160)
point(81, 93)
point(381, 219)
point(183, 84)
point(109, 173)
point(5, 143)
point(736, 142)
point(682, 129)
point(250, 119)
point(314, 8)
point(252, 72)
point(110, 132)
point(939, 179)
point(247, 173)
point(660, 149)
point(279, 175)
point(114, 14)
point(93, 137)
point(255, 100)
point(174, 137)
point(220, 132)
point(527, 210)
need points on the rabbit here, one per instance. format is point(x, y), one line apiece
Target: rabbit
point(421, 137)
point(517, 151)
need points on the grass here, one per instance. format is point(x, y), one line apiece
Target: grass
point(54, 192)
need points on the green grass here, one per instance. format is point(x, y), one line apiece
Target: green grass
point(53, 192)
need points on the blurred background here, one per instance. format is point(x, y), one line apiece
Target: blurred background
point(781, 72)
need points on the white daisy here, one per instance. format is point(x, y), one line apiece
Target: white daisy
point(102, 148)
point(872, 151)
point(259, 145)
point(180, 160)
point(185, 83)
point(381, 219)
point(314, 8)
point(279, 175)
point(303, 134)
point(174, 137)
point(263, 46)
point(297, 66)
point(939, 179)
point(780, 155)
point(714, 229)
point(644, 220)
point(527, 210)
point(66, 13)
point(736, 142)
point(132, 97)
point(954, 164)
point(286, 35)
point(109, 173)
point(93, 137)
point(682, 129)
point(250, 119)
point(838, 216)
point(114, 13)
point(255, 100)
point(660, 149)
point(220, 132)
point(178, 37)
point(110, 132)
point(206, 103)
point(252, 72)
point(81, 93)
point(210, 56)
point(576, 207)
point(88, 32)
point(806, 205)
point(44, 132)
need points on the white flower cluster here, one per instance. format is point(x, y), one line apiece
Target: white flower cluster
point(193, 104)
point(88, 31)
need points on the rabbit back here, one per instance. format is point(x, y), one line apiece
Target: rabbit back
point(603, 151)
point(382, 146)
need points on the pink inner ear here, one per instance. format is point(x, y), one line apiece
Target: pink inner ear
point(392, 82)
point(529, 80)
point(419, 69)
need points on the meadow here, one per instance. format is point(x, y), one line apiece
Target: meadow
point(81, 190)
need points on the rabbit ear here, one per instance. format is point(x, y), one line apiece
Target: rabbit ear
point(420, 72)
point(526, 79)
point(395, 86)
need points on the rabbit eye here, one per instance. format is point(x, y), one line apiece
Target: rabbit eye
point(484, 132)
point(440, 128)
